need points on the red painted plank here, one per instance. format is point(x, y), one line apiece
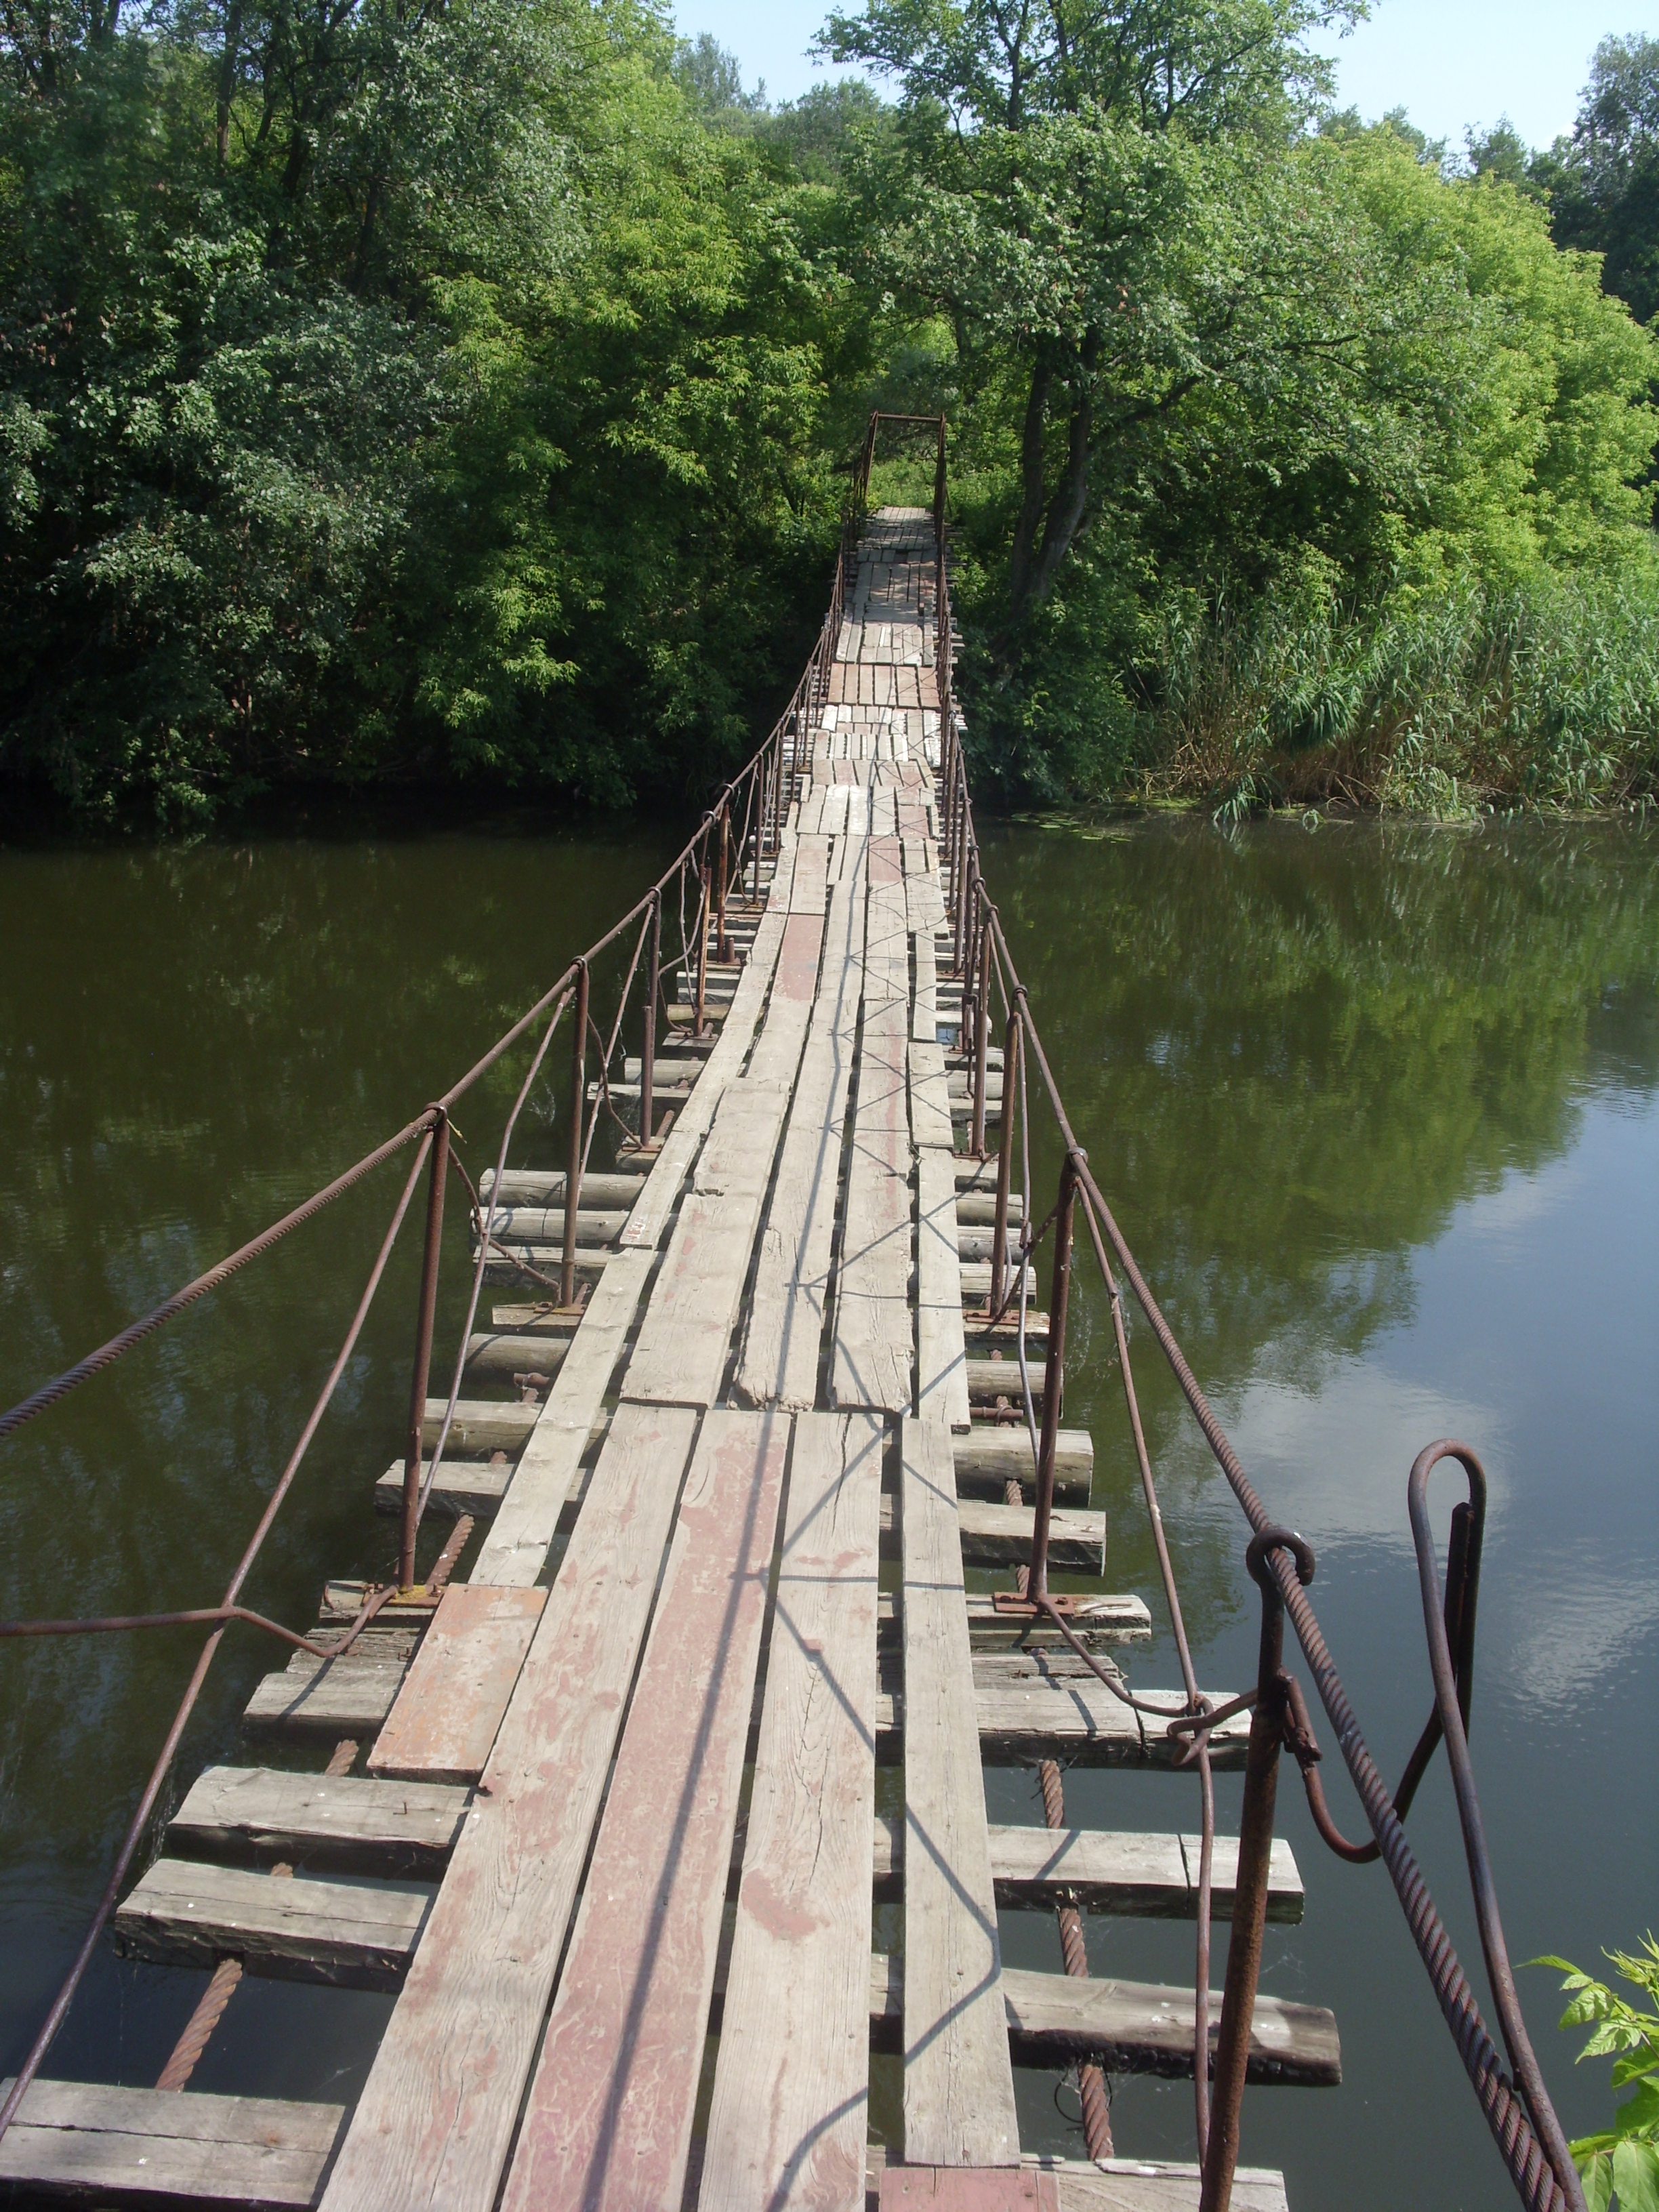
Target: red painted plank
point(797, 974)
point(608, 2123)
point(967, 2188)
point(444, 1722)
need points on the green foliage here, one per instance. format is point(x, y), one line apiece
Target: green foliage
point(441, 388)
point(1622, 2163)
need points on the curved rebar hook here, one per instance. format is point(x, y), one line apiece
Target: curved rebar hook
point(1451, 1707)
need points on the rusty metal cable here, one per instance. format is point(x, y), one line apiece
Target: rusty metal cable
point(209, 2012)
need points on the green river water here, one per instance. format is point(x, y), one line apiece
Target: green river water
point(1376, 1110)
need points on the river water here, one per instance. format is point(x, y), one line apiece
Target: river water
point(1376, 1109)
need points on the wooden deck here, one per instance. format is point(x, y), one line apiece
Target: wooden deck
point(614, 1838)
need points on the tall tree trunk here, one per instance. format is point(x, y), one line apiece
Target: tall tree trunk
point(1031, 484)
point(1071, 499)
point(229, 61)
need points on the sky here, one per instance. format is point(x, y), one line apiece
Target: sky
point(1451, 64)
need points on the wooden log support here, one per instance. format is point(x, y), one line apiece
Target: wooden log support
point(341, 1821)
point(91, 2143)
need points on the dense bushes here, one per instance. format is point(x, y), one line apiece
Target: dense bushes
point(429, 392)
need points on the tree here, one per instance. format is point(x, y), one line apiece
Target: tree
point(1051, 154)
point(1603, 180)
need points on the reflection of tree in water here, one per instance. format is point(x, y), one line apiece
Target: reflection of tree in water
point(1290, 1057)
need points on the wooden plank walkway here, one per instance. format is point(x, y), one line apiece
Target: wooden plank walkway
point(733, 1539)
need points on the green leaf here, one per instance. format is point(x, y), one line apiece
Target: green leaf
point(1636, 2177)
point(1597, 2173)
point(1640, 2114)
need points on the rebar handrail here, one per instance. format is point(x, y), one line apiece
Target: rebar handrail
point(1522, 2118)
point(762, 789)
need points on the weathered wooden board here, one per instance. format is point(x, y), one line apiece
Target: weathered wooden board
point(1122, 2185)
point(930, 1111)
point(350, 1696)
point(495, 1355)
point(778, 1364)
point(338, 1820)
point(545, 1187)
point(548, 1473)
point(608, 2118)
point(1133, 1874)
point(663, 1187)
point(941, 1349)
point(443, 1725)
point(996, 1452)
point(434, 2121)
point(85, 2140)
point(924, 1014)
point(480, 1425)
point(995, 1534)
point(188, 1912)
point(461, 1485)
point(873, 1332)
point(958, 2085)
point(1144, 2027)
point(788, 2120)
point(684, 1339)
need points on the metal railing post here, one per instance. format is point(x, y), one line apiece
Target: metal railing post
point(1052, 1368)
point(573, 1181)
point(648, 1039)
point(703, 940)
point(1255, 1839)
point(1012, 1053)
point(982, 1035)
point(425, 1314)
point(722, 942)
point(938, 492)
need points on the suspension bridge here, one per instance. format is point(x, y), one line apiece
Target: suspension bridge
point(655, 1794)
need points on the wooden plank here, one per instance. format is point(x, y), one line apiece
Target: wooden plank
point(941, 1348)
point(663, 1187)
point(608, 2119)
point(808, 893)
point(924, 1017)
point(1128, 1874)
point(1080, 1721)
point(1112, 1617)
point(189, 1912)
point(545, 1187)
point(992, 1453)
point(481, 1424)
point(684, 1339)
point(340, 1820)
point(930, 1108)
point(461, 1485)
point(779, 1363)
point(788, 2121)
point(995, 1535)
point(87, 2139)
point(1154, 1875)
point(1147, 2028)
point(326, 1698)
point(443, 1725)
point(497, 1355)
point(1072, 1483)
point(1123, 2184)
point(549, 1472)
point(873, 1332)
point(958, 2084)
point(437, 2116)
